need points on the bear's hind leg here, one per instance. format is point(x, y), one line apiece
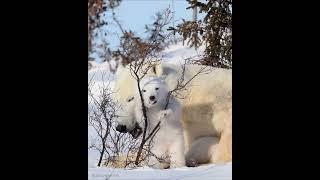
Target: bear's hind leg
point(176, 153)
point(201, 151)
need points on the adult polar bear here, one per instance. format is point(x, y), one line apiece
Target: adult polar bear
point(206, 108)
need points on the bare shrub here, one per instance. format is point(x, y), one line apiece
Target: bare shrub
point(121, 149)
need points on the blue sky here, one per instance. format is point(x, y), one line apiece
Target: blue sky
point(135, 14)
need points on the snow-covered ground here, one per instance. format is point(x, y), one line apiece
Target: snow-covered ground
point(100, 76)
point(219, 172)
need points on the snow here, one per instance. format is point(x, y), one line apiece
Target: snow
point(176, 53)
point(100, 76)
point(220, 172)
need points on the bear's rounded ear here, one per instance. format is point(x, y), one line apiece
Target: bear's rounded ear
point(157, 69)
point(162, 77)
point(120, 68)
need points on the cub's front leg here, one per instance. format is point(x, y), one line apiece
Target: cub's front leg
point(176, 153)
point(159, 159)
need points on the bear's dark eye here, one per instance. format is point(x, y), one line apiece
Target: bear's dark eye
point(144, 90)
point(157, 88)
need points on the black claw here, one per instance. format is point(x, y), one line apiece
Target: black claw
point(191, 163)
point(121, 128)
point(136, 132)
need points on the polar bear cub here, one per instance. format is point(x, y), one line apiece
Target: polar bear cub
point(168, 143)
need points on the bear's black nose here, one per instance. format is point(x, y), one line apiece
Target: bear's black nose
point(121, 128)
point(152, 98)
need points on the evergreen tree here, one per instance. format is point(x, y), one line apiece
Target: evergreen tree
point(215, 31)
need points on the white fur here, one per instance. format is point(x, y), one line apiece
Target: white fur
point(169, 140)
point(126, 114)
point(206, 108)
point(202, 150)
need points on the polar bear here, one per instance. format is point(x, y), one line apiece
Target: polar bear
point(126, 119)
point(168, 142)
point(206, 108)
